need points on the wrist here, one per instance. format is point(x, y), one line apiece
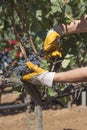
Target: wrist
point(55, 78)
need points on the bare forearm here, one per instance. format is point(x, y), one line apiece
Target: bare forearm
point(77, 26)
point(76, 75)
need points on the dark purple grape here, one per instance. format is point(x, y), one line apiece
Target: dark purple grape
point(25, 39)
point(9, 60)
point(22, 69)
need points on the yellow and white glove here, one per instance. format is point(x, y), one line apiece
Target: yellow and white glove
point(38, 76)
point(51, 43)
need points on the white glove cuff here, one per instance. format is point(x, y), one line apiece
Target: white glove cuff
point(47, 78)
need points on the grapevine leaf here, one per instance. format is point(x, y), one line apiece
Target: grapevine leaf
point(39, 14)
point(44, 64)
point(66, 61)
point(51, 92)
point(55, 9)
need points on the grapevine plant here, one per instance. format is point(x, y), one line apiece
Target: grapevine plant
point(35, 18)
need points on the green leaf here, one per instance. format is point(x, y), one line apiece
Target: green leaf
point(36, 26)
point(44, 64)
point(56, 9)
point(57, 2)
point(51, 92)
point(39, 14)
point(53, 1)
point(1, 27)
point(68, 14)
point(66, 61)
point(68, 10)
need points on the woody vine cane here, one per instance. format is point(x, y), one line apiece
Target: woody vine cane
point(36, 96)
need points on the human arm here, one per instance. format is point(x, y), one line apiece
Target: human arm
point(75, 75)
point(51, 44)
point(76, 26)
point(39, 76)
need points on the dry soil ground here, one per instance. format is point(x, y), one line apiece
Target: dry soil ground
point(64, 119)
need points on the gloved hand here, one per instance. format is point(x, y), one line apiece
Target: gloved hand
point(39, 76)
point(51, 44)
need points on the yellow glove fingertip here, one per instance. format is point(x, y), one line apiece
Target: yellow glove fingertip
point(29, 65)
point(56, 53)
point(28, 76)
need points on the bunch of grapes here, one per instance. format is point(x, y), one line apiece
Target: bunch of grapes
point(25, 39)
point(5, 61)
point(22, 69)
